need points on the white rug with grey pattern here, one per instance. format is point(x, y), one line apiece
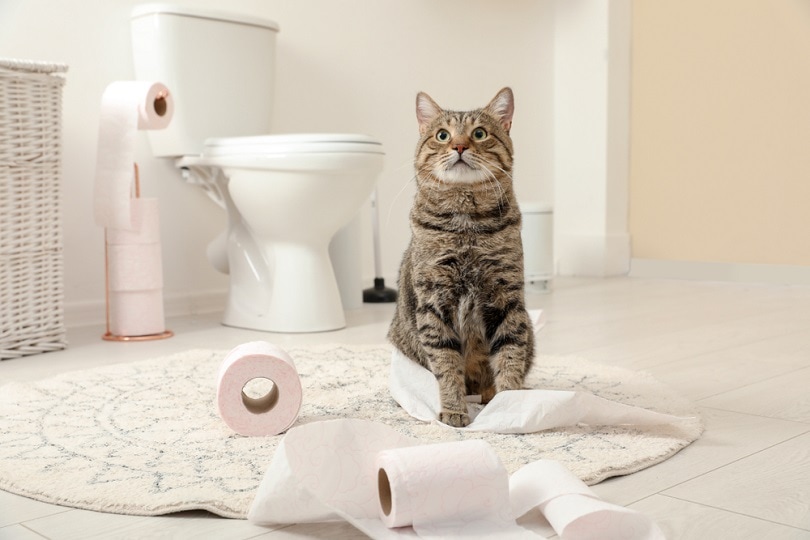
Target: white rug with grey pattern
point(145, 438)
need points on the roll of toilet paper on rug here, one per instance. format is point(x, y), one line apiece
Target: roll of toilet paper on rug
point(126, 107)
point(135, 274)
point(270, 414)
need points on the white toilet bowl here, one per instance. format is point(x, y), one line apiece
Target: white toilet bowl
point(286, 197)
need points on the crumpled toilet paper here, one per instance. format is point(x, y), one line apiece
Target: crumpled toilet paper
point(391, 486)
point(326, 471)
point(513, 411)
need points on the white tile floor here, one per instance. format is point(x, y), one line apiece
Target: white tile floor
point(742, 352)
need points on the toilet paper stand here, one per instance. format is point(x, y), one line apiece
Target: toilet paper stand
point(108, 335)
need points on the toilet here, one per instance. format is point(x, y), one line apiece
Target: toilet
point(285, 196)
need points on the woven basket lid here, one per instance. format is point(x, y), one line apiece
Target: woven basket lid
point(32, 66)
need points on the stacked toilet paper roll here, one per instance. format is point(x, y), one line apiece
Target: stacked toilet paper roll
point(135, 274)
point(132, 230)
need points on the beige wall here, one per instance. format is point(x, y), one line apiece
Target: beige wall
point(720, 131)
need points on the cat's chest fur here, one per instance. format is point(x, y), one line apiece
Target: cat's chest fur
point(464, 250)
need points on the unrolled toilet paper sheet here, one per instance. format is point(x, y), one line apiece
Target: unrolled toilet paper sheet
point(330, 470)
point(126, 107)
point(513, 411)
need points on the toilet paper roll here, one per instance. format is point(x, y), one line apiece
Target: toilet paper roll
point(136, 313)
point(331, 469)
point(446, 483)
point(126, 107)
point(135, 267)
point(145, 218)
point(135, 274)
point(270, 414)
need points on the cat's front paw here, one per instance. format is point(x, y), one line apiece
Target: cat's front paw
point(454, 419)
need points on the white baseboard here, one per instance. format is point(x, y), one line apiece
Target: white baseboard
point(592, 255)
point(713, 271)
point(174, 305)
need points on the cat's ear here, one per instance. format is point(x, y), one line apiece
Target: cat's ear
point(502, 107)
point(426, 111)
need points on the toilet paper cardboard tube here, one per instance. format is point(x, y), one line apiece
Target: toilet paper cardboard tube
point(161, 105)
point(262, 404)
point(384, 489)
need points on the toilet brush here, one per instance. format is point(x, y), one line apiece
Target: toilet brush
point(379, 293)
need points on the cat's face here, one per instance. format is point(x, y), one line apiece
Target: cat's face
point(465, 147)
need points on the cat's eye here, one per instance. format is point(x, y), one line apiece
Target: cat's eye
point(443, 135)
point(479, 134)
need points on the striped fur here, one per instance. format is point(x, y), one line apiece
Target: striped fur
point(461, 309)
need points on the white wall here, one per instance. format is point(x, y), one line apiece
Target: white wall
point(348, 66)
point(591, 131)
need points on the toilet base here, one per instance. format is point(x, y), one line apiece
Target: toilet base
point(312, 305)
point(284, 205)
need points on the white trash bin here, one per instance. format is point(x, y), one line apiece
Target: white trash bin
point(538, 242)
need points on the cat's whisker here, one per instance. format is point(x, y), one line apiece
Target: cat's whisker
point(492, 179)
point(497, 190)
point(405, 185)
point(402, 165)
point(492, 164)
point(485, 165)
point(495, 179)
point(391, 204)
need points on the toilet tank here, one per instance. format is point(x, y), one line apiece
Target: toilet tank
point(219, 68)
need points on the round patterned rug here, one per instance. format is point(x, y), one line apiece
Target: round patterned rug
point(145, 438)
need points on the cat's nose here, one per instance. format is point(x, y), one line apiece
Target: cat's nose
point(460, 148)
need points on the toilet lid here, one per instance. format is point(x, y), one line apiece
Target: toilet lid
point(292, 144)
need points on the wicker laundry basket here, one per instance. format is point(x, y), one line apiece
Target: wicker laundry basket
point(31, 265)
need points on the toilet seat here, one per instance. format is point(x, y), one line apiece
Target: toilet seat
point(299, 143)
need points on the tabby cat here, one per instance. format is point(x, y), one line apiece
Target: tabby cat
point(461, 308)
